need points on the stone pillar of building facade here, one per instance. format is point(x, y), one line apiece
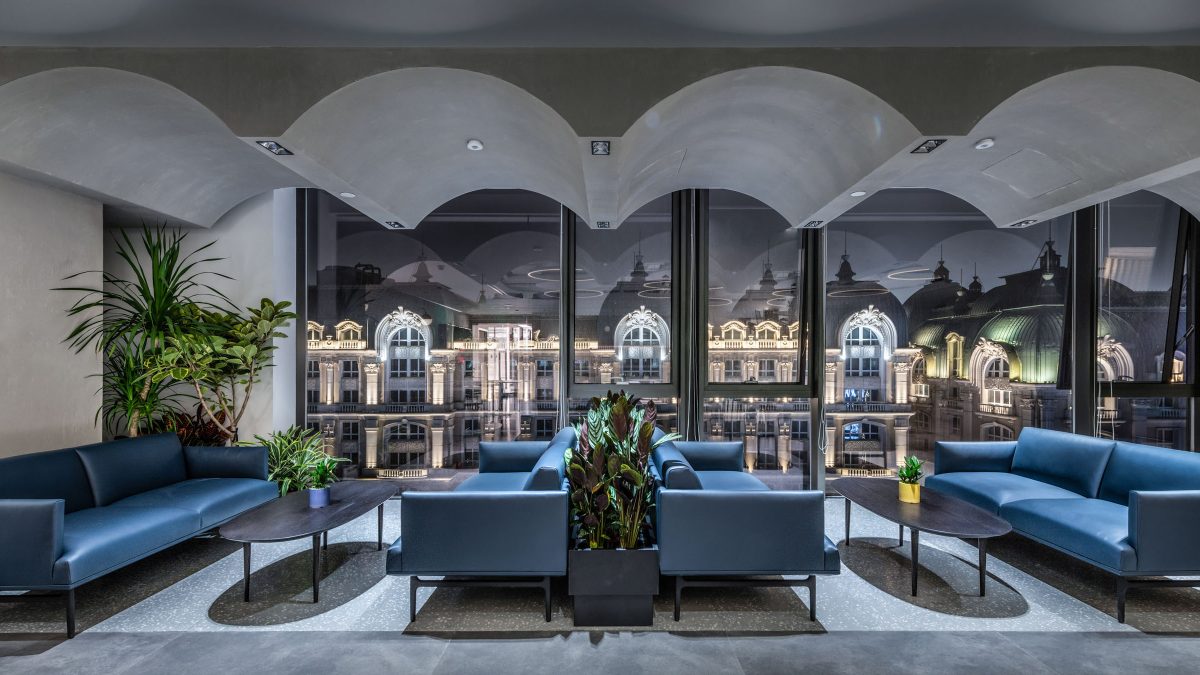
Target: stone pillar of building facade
point(437, 383)
point(437, 441)
point(900, 433)
point(554, 367)
point(833, 370)
point(750, 441)
point(716, 367)
point(833, 431)
point(783, 445)
point(525, 374)
point(371, 370)
point(372, 449)
point(606, 372)
point(328, 378)
point(481, 376)
point(902, 373)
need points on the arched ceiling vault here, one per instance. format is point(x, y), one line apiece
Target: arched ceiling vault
point(798, 140)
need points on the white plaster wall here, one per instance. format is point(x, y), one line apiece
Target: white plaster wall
point(257, 241)
point(47, 400)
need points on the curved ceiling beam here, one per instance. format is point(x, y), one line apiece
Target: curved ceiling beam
point(792, 138)
point(131, 141)
point(1067, 142)
point(398, 141)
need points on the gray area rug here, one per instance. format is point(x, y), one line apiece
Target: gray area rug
point(491, 612)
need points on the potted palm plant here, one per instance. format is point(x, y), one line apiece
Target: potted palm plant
point(613, 565)
point(910, 474)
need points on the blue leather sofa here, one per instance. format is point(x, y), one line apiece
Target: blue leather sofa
point(1128, 509)
point(508, 521)
point(73, 515)
point(720, 526)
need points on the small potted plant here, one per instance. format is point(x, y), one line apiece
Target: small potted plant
point(320, 476)
point(910, 474)
point(613, 564)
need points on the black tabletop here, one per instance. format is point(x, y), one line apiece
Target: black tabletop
point(290, 517)
point(938, 513)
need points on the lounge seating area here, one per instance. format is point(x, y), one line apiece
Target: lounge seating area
point(521, 336)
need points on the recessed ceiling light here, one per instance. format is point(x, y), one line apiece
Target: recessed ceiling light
point(858, 193)
point(1024, 223)
point(274, 148)
point(474, 145)
point(984, 143)
point(394, 224)
point(601, 147)
point(347, 195)
point(928, 146)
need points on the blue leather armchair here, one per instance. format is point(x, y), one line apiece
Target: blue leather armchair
point(509, 521)
point(1128, 509)
point(76, 514)
point(718, 525)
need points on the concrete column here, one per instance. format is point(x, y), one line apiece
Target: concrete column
point(371, 370)
point(372, 449)
point(437, 443)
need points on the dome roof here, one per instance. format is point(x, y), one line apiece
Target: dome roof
point(846, 296)
point(934, 299)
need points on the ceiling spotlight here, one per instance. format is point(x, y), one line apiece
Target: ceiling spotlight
point(928, 146)
point(1023, 223)
point(474, 145)
point(858, 193)
point(394, 224)
point(601, 147)
point(984, 143)
point(347, 195)
point(274, 148)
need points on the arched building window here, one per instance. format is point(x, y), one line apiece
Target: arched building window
point(954, 356)
point(315, 331)
point(403, 339)
point(642, 343)
point(404, 445)
point(995, 432)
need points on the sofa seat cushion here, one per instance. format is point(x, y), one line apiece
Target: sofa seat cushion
point(100, 539)
point(215, 499)
point(504, 481)
point(1094, 529)
point(993, 489)
point(729, 480)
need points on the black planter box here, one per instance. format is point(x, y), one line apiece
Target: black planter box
point(613, 588)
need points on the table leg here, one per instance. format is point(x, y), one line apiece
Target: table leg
point(380, 545)
point(325, 540)
point(246, 571)
point(316, 560)
point(982, 543)
point(847, 522)
point(901, 535)
point(916, 536)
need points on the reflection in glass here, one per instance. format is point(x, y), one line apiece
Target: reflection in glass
point(1158, 421)
point(422, 343)
point(774, 433)
point(623, 292)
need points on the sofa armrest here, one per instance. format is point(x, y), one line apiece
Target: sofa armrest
point(713, 455)
point(735, 532)
point(31, 541)
point(1163, 530)
point(549, 470)
point(952, 456)
point(238, 461)
point(483, 533)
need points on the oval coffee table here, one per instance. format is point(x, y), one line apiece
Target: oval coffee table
point(938, 513)
point(290, 517)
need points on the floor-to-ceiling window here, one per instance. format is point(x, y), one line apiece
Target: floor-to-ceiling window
point(424, 342)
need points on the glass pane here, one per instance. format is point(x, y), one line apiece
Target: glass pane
point(623, 293)
point(753, 305)
point(1138, 237)
point(938, 326)
point(424, 342)
point(774, 432)
point(668, 412)
point(1150, 421)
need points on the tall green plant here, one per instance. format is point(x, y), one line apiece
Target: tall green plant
point(609, 472)
point(128, 320)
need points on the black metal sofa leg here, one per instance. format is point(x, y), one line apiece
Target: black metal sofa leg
point(1122, 589)
point(812, 598)
point(412, 599)
point(70, 598)
point(546, 590)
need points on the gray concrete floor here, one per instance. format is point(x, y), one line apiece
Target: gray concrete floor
point(184, 653)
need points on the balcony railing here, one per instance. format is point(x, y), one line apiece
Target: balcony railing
point(869, 407)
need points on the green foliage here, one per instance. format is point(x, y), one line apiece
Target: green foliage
point(222, 354)
point(910, 470)
point(609, 473)
point(296, 460)
point(128, 320)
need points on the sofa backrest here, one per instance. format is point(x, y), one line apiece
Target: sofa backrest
point(1143, 467)
point(550, 469)
point(1069, 461)
point(714, 455)
point(57, 474)
point(120, 469)
point(509, 456)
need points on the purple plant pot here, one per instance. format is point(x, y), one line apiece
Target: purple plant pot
point(318, 498)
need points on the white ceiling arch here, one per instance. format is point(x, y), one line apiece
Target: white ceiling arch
point(398, 141)
point(130, 141)
point(792, 138)
point(1067, 142)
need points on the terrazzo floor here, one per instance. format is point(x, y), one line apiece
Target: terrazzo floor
point(1034, 595)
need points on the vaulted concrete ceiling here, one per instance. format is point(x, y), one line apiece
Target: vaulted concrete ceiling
point(612, 23)
point(798, 140)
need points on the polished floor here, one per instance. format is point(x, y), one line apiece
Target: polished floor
point(183, 614)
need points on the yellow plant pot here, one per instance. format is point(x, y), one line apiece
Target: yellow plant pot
point(910, 493)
